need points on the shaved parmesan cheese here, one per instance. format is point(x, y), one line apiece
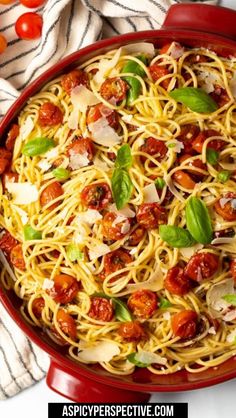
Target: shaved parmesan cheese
point(175, 145)
point(154, 283)
point(125, 211)
point(140, 48)
point(100, 164)
point(150, 194)
point(90, 217)
point(166, 316)
point(209, 80)
point(212, 331)
point(223, 201)
point(44, 165)
point(98, 250)
point(78, 160)
point(125, 228)
point(231, 337)
point(81, 98)
point(134, 250)
point(118, 219)
point(23, 214)
point(47, 284)
point(23, 193)
point(103, 133)
point(102, 351)
point(173, 189)
point(79, 236)
point(175, 50)
point(6, 266)
point(52, 153)
point(73, 119)
point(214, 296)
point(26, 128)
point(147, 357)
point(127, 118)
point(105, 66)
point(230, 316)
point(224, 240)
point(188, 252)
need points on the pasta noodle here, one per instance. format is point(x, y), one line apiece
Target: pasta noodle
point(67, 236)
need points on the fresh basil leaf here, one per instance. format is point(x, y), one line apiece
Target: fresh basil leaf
point(61, 173)
point(230, 299)
point(74, 253)
point(160, 183)
point(175, 236)
point(31, 233)
point(122, 187)
point(38, 146)
point(132, 359)
point(198, 220)
point(124, 158)
point(133, 67)
point(223, 176)
point(164, 303)
point(121, 311)
point(212, 156)
point(195, 99)
point(134, 83)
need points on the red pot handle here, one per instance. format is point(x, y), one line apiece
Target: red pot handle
point(202, 17)
point(81, 389)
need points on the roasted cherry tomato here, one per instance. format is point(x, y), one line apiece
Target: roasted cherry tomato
point(7, 242)
point(187, 135)
point(74, 78)
point(183, 179)
point(51, 192)
point(233, 269)
point(151, 215)
point(80, 146)
point(29, 26)
point(227, 210)
point(49, 115)
point(112, 230)
point(100, 110)
point(115, 261)
point(143, 303)
point(67, 323)
point(11, 137)
point(37, 307)
point(114, 89)
point(158, 71)
point(216, 144)
point(184, 324)
point(17, 258)
point(220, 96)
point(136, 236)
point(177, 282)
point(3, 43)
point(65, 288)
point(31, 4)
point(195, 163)
point(101, 309)
point(9, 177)
point(5, 158)
point(132, 332)
point(202, 266)
point(96, 196)
point(157, 149)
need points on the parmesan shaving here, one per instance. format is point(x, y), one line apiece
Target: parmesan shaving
point(212, 331)
point(98, 250)
point(23, 193)
point(103, 351)
point(100, 164)
point(175, 145)
point(150, 194)
point(44, 165)
point(147, 357)
point(26, 128)
point(105, 66)
point(103, 133)
point(230, 316)
point(214, 296)
point(224, 240)
point(188, 252)
point(23, 214)
point(125, 228)
point(175, 50)
point(6, 265)
point(81, 98)
point(78, 160)
point(90, 217)
point(125, 211)
point(47, 284)
point(140, 48)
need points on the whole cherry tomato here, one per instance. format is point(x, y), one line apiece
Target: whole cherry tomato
point(184, 324)
point(50, 193)
point(49, 114)
point(143, 303)
point(17, 258)
point(31, 4)
point(226, 210)
point(115, 261)
point(151, 215)
point(202, 266)
point(37, 307)
point(74, 78)
point(111, 229)
point(132, 332)
point(96, 196)
point(65, 288)
point(114, 89)
point(67, 324)
point(101, 309)
point(3, 43)
point(177, 282)
point(29, 26)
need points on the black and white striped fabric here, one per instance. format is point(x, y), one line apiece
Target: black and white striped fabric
point(68, 26)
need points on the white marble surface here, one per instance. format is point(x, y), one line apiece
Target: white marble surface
point(214, 402)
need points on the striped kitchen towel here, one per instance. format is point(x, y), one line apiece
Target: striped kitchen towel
point(68, 26)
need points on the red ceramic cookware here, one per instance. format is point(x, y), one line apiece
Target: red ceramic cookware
point(192, 25)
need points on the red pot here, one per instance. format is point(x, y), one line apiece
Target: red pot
point(192, 25)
